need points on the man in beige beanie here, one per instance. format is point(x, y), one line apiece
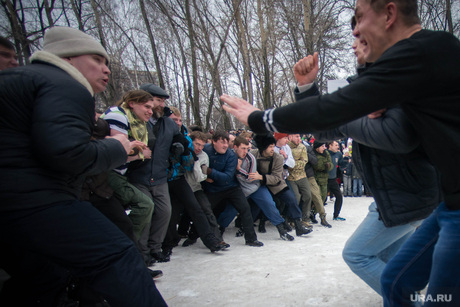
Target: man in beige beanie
point(45, 154)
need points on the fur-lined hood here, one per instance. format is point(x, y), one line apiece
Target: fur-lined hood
point(50, 58)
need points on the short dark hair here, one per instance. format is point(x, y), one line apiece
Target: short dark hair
point(330, 143)
point(240, 140)
point(198, 135)
point(195, 128)
point(408, 8)
point(220, 134)
point(6, 43)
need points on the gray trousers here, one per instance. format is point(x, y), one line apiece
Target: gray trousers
point(301, 189)
point(153, 235)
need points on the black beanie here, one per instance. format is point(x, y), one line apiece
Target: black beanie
point(317, 144)
point(263, 141)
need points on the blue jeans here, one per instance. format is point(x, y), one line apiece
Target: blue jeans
point(288, 197)
point(372, 245)
point(264, 202)
point(430, 256)
point(357, 187)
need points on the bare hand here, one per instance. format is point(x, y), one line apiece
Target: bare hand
point(283, 153)
point(147, 153)
point(306, 69)
point(123, 140)
point(136, 146)
point(255, 176)
point(376, 114)
point(238, 166)
point(238, 107)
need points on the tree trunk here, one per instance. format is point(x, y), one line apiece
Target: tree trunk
point(161, 82)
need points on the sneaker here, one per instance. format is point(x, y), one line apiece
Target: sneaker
point(155, 273)
point(254, 243)
point(339, 219)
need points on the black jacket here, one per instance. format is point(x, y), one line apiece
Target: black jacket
point(420, 73)
point(405, 184)
point(153, 171)
point(46, 122)
point(312, 161)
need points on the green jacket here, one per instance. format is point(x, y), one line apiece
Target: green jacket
point(323, 167)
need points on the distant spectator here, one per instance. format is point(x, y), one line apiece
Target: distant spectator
point(8, 56)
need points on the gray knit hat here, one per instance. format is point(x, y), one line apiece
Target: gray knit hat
point(68, 42)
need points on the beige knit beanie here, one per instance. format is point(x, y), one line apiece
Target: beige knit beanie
point(68, 42)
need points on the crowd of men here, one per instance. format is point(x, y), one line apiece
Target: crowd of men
point(68, 176)
point(135, 166)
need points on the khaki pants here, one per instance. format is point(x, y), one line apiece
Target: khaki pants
point(317, 200)
point(141, 205)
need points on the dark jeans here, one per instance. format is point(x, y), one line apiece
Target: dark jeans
point(182, 198)
point(114, 211)
point(78, 238)
point(333, 187)
point(288, 197)
point(236, 198)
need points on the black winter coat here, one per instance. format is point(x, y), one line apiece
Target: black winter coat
point(46, 124)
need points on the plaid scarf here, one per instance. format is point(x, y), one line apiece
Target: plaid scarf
point(137, 129)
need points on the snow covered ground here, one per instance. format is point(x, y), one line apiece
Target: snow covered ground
point(308, 271)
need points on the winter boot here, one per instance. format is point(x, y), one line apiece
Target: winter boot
point(313, 218)
point(324, 222)
point(287, 226)
point(283, 233)
point(211, 242)
point(262, 225)
point(300, 229)
point(307, 224)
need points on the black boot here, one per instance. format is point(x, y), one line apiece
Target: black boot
point(324, 222)
point(313, 218)
point(287, 226)
point(211, 242)
point(300, 229)
point(262, 226)
point(283, 233)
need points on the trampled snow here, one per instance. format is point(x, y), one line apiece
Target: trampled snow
point(308, 271)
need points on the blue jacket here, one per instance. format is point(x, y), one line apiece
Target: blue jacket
point(223, 170)
point(179, 164)
point(337, 161)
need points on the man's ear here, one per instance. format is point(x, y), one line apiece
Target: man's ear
point(391, 11)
